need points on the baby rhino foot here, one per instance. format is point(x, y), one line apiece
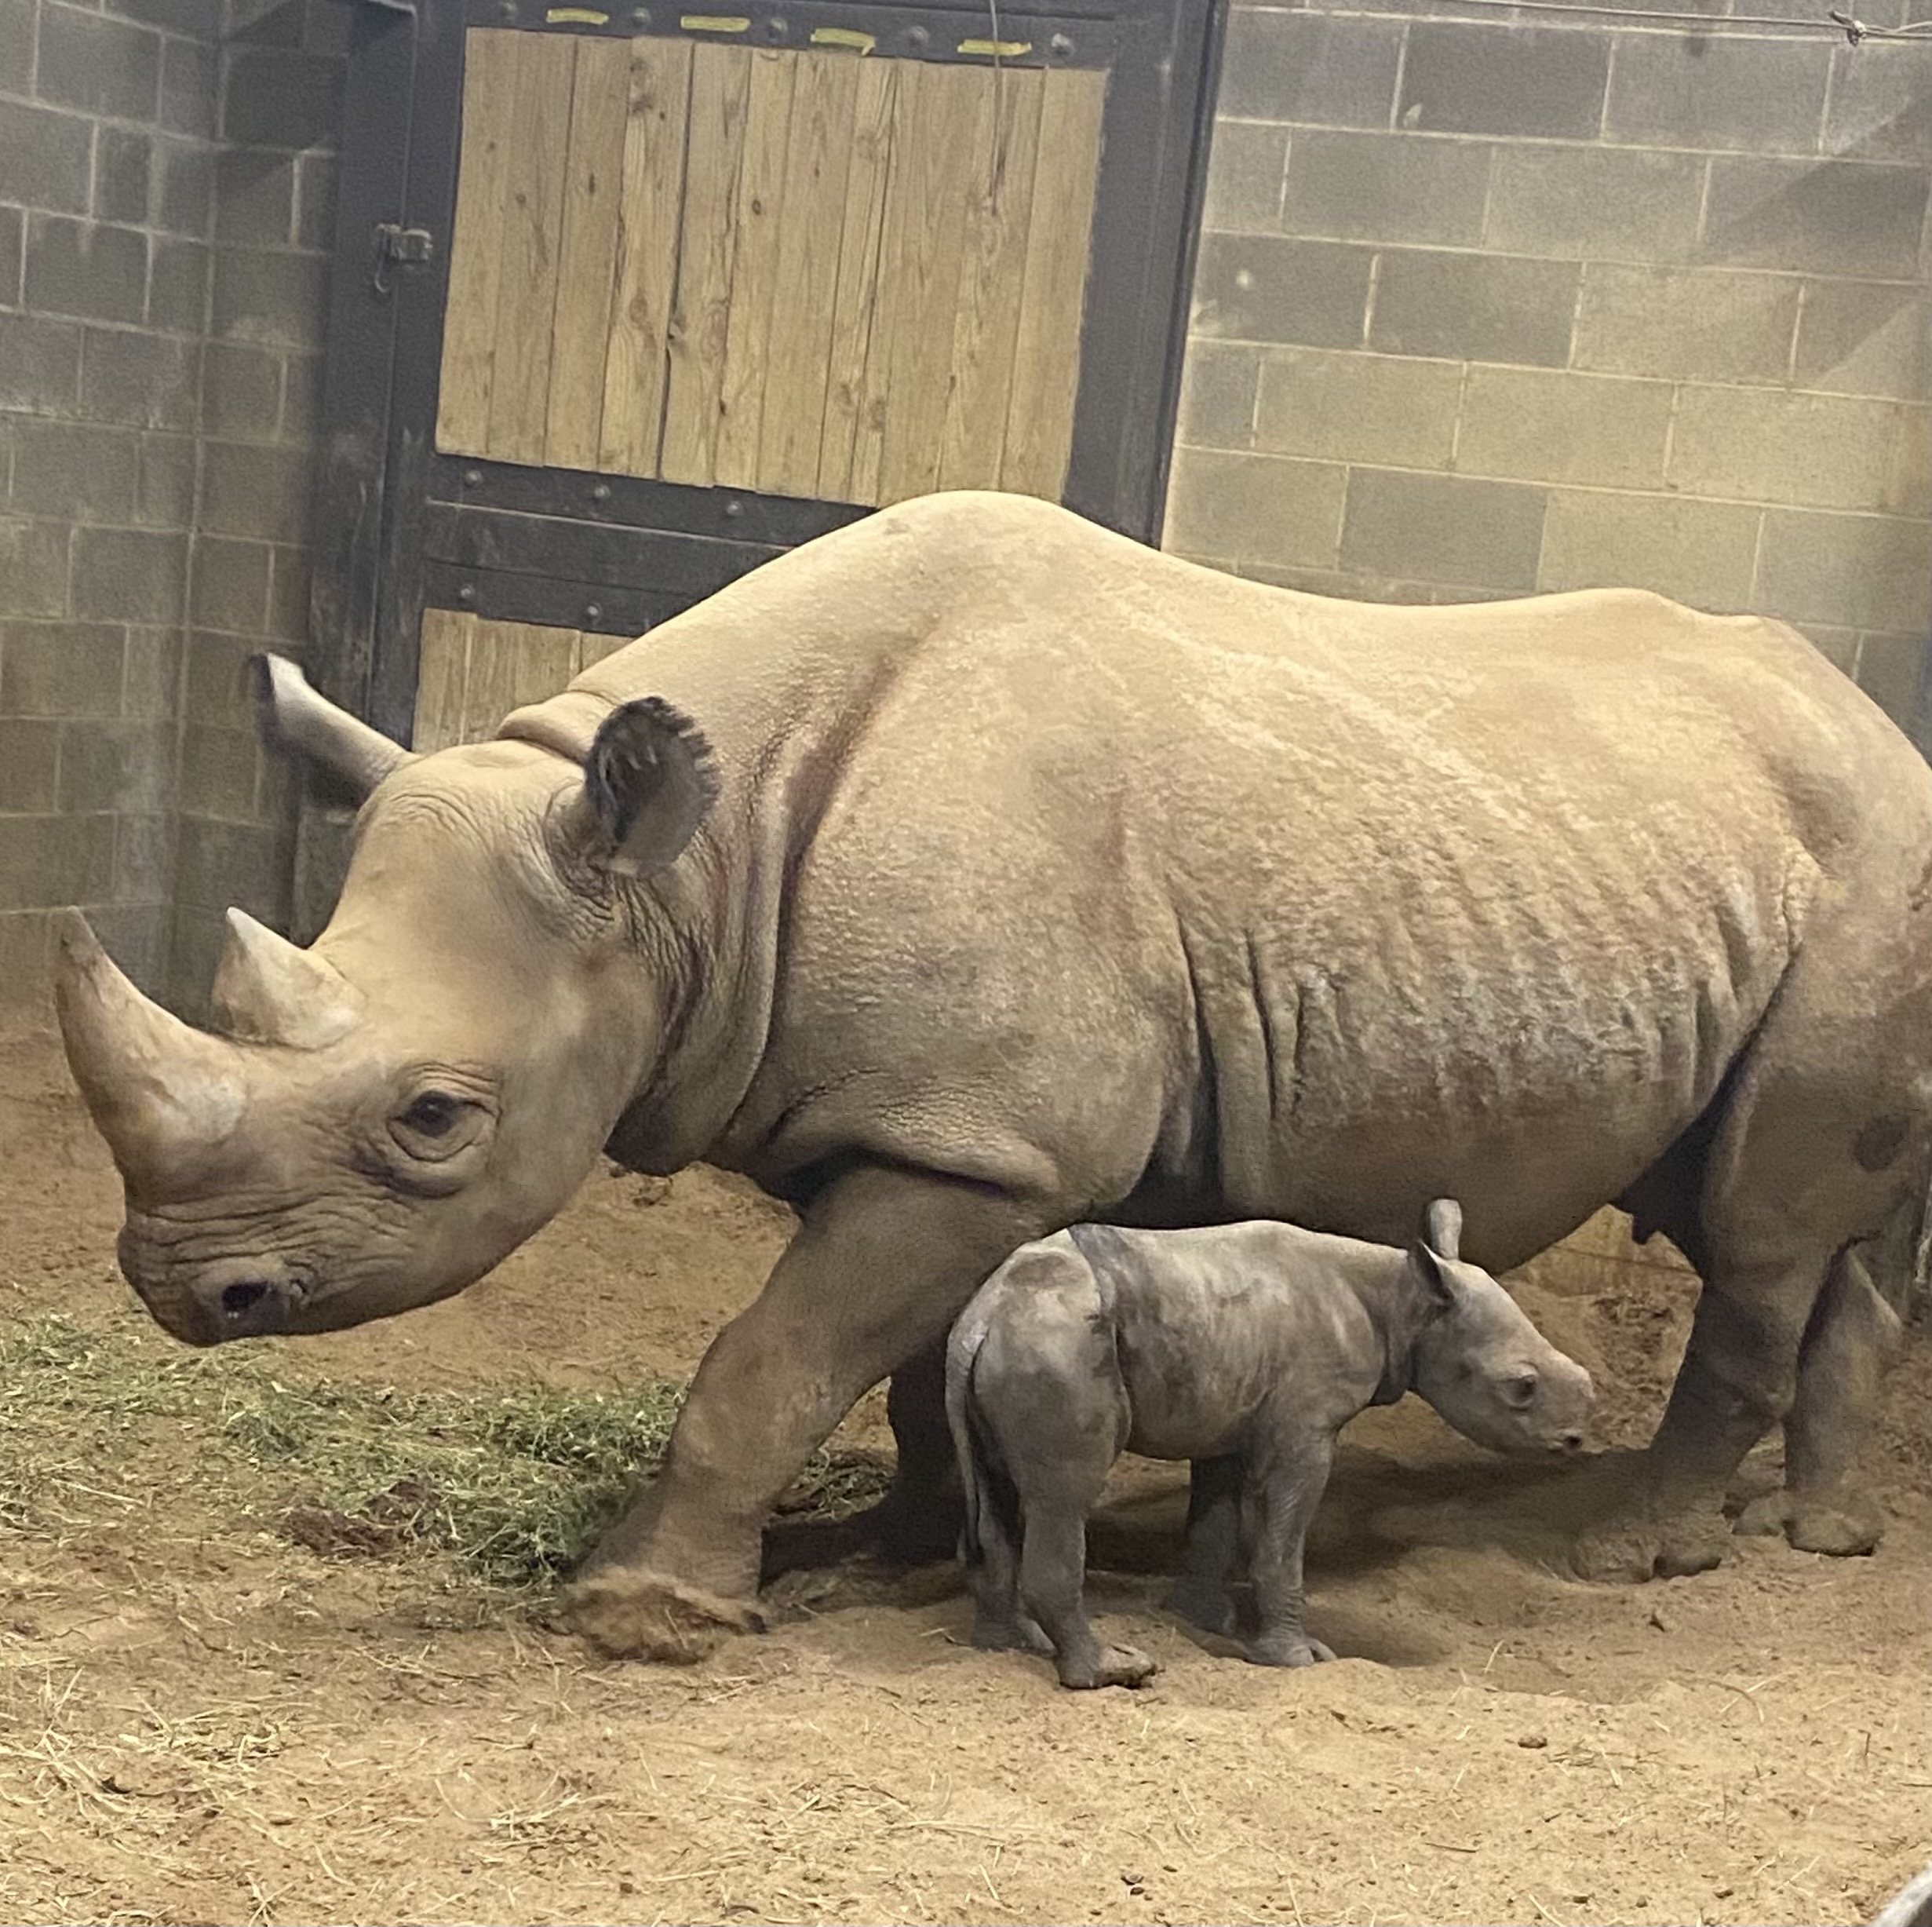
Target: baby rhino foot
point(1294, 1649)
point(1813, 1524)
point(1019, 1634)
point(1113, 1666)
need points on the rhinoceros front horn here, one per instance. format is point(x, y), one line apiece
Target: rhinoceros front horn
point(156, 1088)
point(269, 990)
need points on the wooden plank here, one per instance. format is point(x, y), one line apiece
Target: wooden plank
point(593, 185)
point(700, 309)
point(531, 244)
point(635, 365)
point(482, 179)
point(755, 289)
point(545, 660)
point(950, 109)
point(848, 451)
point(593, 647)
point(489, 692)
point(986, 325)
point(442, 675)
point(1059, 242)
point(818, 162)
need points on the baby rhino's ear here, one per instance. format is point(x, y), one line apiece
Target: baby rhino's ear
point(1433, 1274)
point(1442, 1227)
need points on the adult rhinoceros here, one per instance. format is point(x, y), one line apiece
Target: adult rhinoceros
point(972, 870)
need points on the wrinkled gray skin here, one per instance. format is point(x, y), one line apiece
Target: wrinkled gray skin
point(1245, 1347)
point(977, 872)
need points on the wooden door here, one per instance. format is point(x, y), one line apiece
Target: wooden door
point(628, 301)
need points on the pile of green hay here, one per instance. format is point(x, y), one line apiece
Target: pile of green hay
point(98, 1424)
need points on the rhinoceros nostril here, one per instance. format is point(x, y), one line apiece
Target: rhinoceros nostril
point(240, 1302)
point(1572, 1441)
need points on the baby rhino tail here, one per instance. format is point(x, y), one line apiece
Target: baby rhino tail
point(990, 1535)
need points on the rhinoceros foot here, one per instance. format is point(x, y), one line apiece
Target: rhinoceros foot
point(1113, 1666)
point(1826, 1523)
point(1633, 1530)
point(631, 1613)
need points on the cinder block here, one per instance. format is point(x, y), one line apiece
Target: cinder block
point(167, 485)
point(219, 863)
point(254, 197)
point(1764, 444)
point(134, 934)
point(44, 157)
point(130, 575)
point(98, 64)
point(1864, 337)
point(122, 163)
point(191, 87)
point(184, 197)
point(144, 858)
point(177, 286)
point(1756, 96)
point(288, 598)
point(274, 300)
point(1839, 647)
point(146, 381)
point(1444, 528)
point(33, 570)
point(1865, 571)
point(61, 669)
point(1460, 78)
point(1237, 508)
point(1881, 102)
point(1358, 407)
point(1473, 307)
point(252, 490)
point(1699, 324)
point(1891, 671)
point(302, 397)
point(241, 392)
point(218, 773)
point(17, 39)
point(1826, 217)
point(1533, 424)
point(1312, 69)
point(230, 585)
point(1257, 288)
point(151, 686)
point(29, 765)
point(86, 268)
point(266, 22)
point(1591, 203)
point(1386, 186)
point(1247, 167)
point(215, 687)
point(39, 367)
point(1702, 553)
point(1909, 475)
point(25, 946)
point(315, 200)
point(279, 97)
point(74, 471)
point(12, 249)
point(1218, 384)
point(116, 766)
point(171, 16)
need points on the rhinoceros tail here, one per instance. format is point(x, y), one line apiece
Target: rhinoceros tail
point(991, 1506)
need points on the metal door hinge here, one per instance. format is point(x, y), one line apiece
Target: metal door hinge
point(408, 247)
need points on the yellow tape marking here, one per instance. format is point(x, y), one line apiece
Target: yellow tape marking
point(1000, 50)
point(843, 37)
point(576, 16)
point(715, 24)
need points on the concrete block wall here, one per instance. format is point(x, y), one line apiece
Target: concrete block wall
point(106, 115)
point(166, 191)
point(1486, 306)
point(282, 67)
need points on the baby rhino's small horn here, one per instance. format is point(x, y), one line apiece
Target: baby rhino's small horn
point(1442, 1227)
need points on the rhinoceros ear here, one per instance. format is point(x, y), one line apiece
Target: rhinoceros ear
point(1442, 1226)
point(294, 718)
point(649, 782)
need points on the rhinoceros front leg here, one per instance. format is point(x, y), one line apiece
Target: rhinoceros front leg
point(884, 1262)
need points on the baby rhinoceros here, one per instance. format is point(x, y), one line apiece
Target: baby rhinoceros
point(1245, 1347)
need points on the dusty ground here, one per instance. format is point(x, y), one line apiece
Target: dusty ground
point(199, 1722)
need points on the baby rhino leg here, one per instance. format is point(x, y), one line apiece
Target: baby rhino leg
point(1286, 1478)
point(1049, 1389)
point(1201, 1592)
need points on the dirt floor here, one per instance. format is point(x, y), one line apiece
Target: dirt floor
point(200, 1722)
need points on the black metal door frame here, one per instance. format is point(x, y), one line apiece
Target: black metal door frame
point(399, 528)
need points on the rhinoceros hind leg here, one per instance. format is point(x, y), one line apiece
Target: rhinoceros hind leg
point(636, 1614)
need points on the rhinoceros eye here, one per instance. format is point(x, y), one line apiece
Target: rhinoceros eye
point(434, 1114)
